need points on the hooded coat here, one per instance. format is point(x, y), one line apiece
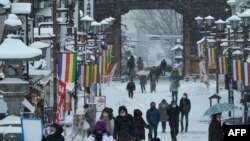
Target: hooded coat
point(163, 107)
point(175, 81)
point(124, 126)
point(100, 132)
point(140, 125)
point(153, 116)
point(57, 135)
point(215, 130)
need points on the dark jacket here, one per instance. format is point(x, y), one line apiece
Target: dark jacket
point(152, 76)
point(163, 107)
point(173, 114)
point(215, 131)
point(90, 118)
point(143, 79)
point(185, 105)
point(56, 136)
point(153, 116)
point(131, 62)
point(124, 126)
point(140, 125)
point(131, 86)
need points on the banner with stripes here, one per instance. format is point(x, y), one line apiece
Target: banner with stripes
point(223, 66)
point(247, 74)
point(211, 55)
point(67, 65)
point(237, 70)
point(201, 47)
point(86, 71)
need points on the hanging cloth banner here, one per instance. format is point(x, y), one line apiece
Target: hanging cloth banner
point(247, 74)
point(223, 66)
point(86, 73)
point(237, 70)
point(211, 55)
point(67, 65)
point(61, 94)
point(201, 47)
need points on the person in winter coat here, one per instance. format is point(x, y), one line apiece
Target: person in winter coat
point(163, 107)
point(130, 88)
point(215, 130)
point(163, 66)
point(100, 132)
point(131, 64)
point(140, 64)
point(143, 81)
point(55, 133)
point(152, 76)
point(153, 119)
point(124, 125)
point(185, 106)
point(174, 113)
point(90, 118)
point(140, 125)
point(175, 84)
point(105, 116)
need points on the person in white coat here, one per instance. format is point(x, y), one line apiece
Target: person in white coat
point(100, 133)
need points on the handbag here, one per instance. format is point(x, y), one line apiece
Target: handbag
point(85, 124)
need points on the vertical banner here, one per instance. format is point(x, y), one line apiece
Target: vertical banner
point(223, 66)
point(203, 72)
point(67, 65)
point(201, 47)
point(247, 74)
point(237, 70)
point(88, 8)
point(61, 94)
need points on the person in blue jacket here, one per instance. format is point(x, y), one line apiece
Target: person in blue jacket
point(153, 119)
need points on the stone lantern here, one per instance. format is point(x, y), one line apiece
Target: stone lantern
point(13, 52)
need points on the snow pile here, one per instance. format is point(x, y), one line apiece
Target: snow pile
point(12, 20)
point(6, 3)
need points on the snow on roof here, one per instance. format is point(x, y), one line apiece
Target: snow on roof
point(39, 44)
point(234, 18)
point(10, 120)
point(40, 64)
point(16, 49)
point(231, 2)
point(35, 72)
point(87, 18)
point(6, 3)
point(177, 46)
point(10, 129)
point(14, 81)
point(246, 13)
point(45, 32)
point(198, 18)
point(178, 57)
point(209, 17)
point(201, 40)
point(21, 8)
point(220, 21)
point(224, 44)
point(237, 52)
point(13, 20)
point(95, 23)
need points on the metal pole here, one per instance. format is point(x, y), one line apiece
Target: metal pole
point(245, 87)
point(76, 72)
point(55, 59)
point(217, 66)
point(230, 78)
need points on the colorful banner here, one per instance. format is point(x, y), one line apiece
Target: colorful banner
point(86, 71)
point(211, 55)
point(246, 74)
point(223, 66)
point(237, 70)
point(201, 48)
point(61, 94)
point(67, 65)
point(203, 72)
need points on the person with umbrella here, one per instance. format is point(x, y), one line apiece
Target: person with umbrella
point(215, 130)
point(142, 75)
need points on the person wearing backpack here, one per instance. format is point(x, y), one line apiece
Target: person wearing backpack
point(130, 88)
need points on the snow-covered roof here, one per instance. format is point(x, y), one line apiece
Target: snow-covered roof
point(178, 57)
point(13, 81)
point(21, 8)
point(10, 120)
point(12, 20)
point(234, 18)
point(209, 17)
point(6, 3)
point(10, 129)
point(224, 44)
point(44, 33)
point(220, 21)
point(237, 52)
point(39, 44)
point(16, 49)
point(95, 23)
point(87, 18)
point(201, 40)
point(231, 2)
point(177, 47)
point(246, 13)
point(35, 72)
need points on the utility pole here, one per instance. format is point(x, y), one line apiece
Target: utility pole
point(55, 58)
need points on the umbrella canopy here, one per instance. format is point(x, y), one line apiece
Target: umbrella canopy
point(142, 73)
point(219, 108)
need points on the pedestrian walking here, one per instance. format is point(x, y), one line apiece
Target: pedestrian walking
point(55, 133)
point(124, 125)
point(163, 66)
point(140, 125)
point(131, 87)
point(175, 84)
point(89, 115)
point(153, 119)
point(140, 64)
point(143, 81)
point(105, 116)
point(163, 107)
point(131, 64)
point(215, 130)
point(152, 76)
point(185, 106)
point(100, 132)
point(174, 113)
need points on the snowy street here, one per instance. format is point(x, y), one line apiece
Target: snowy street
point(116, 96)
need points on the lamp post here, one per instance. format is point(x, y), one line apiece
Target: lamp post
point(245, 18)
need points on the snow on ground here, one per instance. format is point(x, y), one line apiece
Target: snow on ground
point(198, 93)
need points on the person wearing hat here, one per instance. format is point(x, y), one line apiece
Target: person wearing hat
point(153, 119)
point(124, 129)
point(174, 113)
point(175, 83)
point(100, 132)
point(55, 133)
point(185, 106)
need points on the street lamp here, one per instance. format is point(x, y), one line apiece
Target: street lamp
point(87, 20)
point(95, 26)
point(235, 24)
point(209, 20)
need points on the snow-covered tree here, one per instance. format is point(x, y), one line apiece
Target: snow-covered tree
point(128, 48)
